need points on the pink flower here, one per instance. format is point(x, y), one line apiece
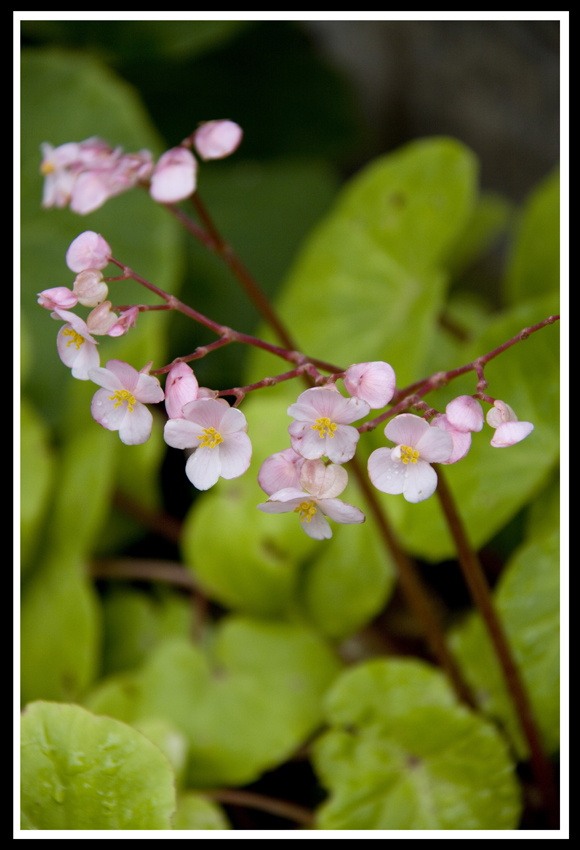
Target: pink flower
point(127, 319)
point(407, 468)
point(174, 176)
point(76, 347)
point(317, 501)
point(461, 439)
point(321, 426)
point(59, 297)
point(508, 429)
point(217, 139)
point(280, 470)
point(465, 413)
point(120, 405)
point(181, 387)
point(372, 382)
point(101, 319)
point(88, 251)
point(90, 288)
point(59, 167)
point(217, 433)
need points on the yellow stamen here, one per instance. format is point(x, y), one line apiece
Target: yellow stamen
point(77, 339)
point(409, 454)
point(46, 168)
point(210, 438)
point(325, 426)
point(306, 510)
point(121, 396)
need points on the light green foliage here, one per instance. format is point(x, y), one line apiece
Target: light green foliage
point(534, 267)
point(527, 599)
point(489, 220)
point(37, 469)
point(401, 754)
point(369, 283)
point(237, 725)
point(197, 812)
point(172, 743)
point(80, 771)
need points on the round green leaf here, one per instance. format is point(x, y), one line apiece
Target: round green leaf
point(402, 755)
point(80, 771)
point(37, 468)
point(197, 812)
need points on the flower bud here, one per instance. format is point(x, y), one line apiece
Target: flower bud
point(90, 288)
point(59, 296)
point(217, 139)
point(101, 319)
point(461, 439)
point(465, 413)
point(88, 251)
point(372, 382)
point(174, 176)
point(321, 481)
point(181, 387)
point(500, 413)
point(508, 429)
point(279, 471)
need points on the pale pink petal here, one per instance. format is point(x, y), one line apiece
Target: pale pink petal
point(203, 468)
point(465, 413)
point(181, 387)
point(148, 389)
point(342, 447)
point(174, 176)
point(78, 353)
point(88, 251)
point(59, 297)
point(280, 470)
point(91, 190)
point(87, 358)
point(105, 378)
point(373, 382)
point(322, 481)
point(90, 287)
point(101, 319)
point(500, 413)
point(385, 473)
point(127, 375)
point(136, 426)
point(217, 139)
point(181, 434)
point(327, 404)
point(461, 439)
point(284, 500)
point(211, 413)
point(340, 511)
point(106, 410)
point(318, 527)
point(305, 441)
point(235, 454)
point(420, 481)
point(406, 429)
point(435, 445)
point(510, 433)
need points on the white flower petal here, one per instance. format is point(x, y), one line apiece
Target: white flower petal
point(435, 445)
point(385, 473)
point(203, 467)
point(509, 433)
point(181, 434)
point(235, 454)
point(136, 426)
point(318, 527)
point(341, 511)
point(406, 429)
point(420, 481)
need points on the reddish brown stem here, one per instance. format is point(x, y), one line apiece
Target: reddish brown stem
point(282, 808)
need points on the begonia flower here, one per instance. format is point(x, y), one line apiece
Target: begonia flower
point(90, 288)
point(58, 172)
point(101, 319)
point(407, 468)
point(322, 424)
point(465, 413)
point(88, 251)
point(127, 319)
point(217, 433)
point(327, 482)
point(58, 297)
point(120, 405)
point(372, 382)
point(181, 387)
point(174, 176)
point(461, 439)
point(280, 470)
point(76, 347)
point(508, 429)
point(217, 139)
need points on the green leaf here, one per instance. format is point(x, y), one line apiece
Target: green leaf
point(527, 600)
point(487, 222)
point(401, 754)
point(368, 284)
point(197, 812)
point(80, 771)
point(172, 743)
point(534, 266)
point(491, 485)
point(37, 470)
point(244, 710)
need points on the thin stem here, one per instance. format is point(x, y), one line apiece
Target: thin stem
point(282, 808)
point(481, 595)
point(145, 570)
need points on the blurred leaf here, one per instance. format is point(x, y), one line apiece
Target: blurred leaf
point(487, 222)
point(402, 755)
point(368, 284)
point(85, 772)
point(197, 812)
point(172, 743)
point(244, 711)
point(528, 602)
point(37, 469)
point(70, 97)
point(534, 268)
point(491, 485)
point(544, 514)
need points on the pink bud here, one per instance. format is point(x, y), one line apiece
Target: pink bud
point(90, 287)
point(461, 439)
point(59, 296)
point(101, 319)
point(279, 471)
point(500, 413)
point(127, 319)
point(181, 387)
point(372, 382)
point(174, 176)
point(510, 433)
point(321, 481)
point(217, 139)
point(88, 251)
point(465, 413)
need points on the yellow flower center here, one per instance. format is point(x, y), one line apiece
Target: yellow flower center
point(77, 339)
point(325, 426)
point(46, 168)
point(210, 438)
point(409, 454)
point(121, 396)
point(306, 511)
